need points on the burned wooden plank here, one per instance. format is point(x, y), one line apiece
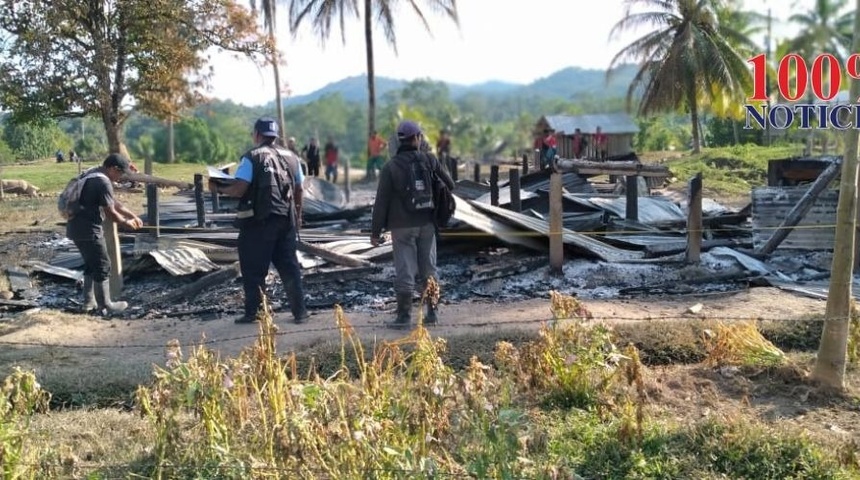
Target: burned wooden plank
point(206, 282)
point(338, 258)
point(492, 271)
point(16, 304)
point(340, 275)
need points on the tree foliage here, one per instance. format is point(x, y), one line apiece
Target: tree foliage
point(70, 58)
point(687, 55)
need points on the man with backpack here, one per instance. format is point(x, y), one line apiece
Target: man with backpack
point(269, 188)
point(404, 205)
point(84, 200)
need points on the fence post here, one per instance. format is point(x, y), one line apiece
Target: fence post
point(632, 190)
point(347, 182)
point(556, 243)
point(198, 199)
point(694, 219)
point(494, 185)
point(152, 208)
point(514, 185)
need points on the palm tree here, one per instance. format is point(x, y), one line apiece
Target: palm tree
point(685, 56)
point(321, 13)
point(822, 30)
point(269, 22)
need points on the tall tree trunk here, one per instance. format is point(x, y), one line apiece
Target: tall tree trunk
point(832, 352)
point(277, 71)
point(371, 81)
point(112, 130)
point(694, 118)
point(171, 139)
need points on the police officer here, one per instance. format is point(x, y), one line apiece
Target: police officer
point(269, 187)
point(413, 233)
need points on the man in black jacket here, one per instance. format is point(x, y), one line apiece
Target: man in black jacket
point(269, 188)
point(412, 229)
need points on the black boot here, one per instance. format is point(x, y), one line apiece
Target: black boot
point(404, 315)
point(89, 294)
point(431, 318)
point(103, 301)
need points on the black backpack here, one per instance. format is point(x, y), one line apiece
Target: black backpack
point(419, 185)
point(425, 191)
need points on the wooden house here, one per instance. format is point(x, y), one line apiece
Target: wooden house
point(618, 127)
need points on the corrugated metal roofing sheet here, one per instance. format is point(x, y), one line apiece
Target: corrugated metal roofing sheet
point(609, 123)
point(770, 205)
point(183, 260)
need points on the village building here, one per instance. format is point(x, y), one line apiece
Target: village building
point(620, 129)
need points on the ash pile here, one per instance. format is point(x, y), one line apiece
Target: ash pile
point(496, 249)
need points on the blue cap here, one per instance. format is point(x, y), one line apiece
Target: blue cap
point(266, 127)
point(407, 129)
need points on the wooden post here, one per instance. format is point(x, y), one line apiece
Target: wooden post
point(2, 194)
point(694, 219)
point(796, 214)
point(477, 173)
point(112, 243)
point(632, 210)
point(525, 164)
point(347, 182)
point(494, 185)
point(514, 185)
point(152, 208)
point(216, 202)
point(198, 199)
point(537, 160)
point(556, 244)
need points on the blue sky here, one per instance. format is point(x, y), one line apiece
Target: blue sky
point(497, 40)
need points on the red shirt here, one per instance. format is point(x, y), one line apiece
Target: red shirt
point(550, 141)
point(600, 139)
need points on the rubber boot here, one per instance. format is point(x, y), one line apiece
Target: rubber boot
point(89, 294)
point(102, 291)
point(431, 318)
point(404, 315)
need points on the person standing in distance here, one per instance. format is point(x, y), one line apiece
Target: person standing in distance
point(269, 188)
point(413, 233)
point(84, 228)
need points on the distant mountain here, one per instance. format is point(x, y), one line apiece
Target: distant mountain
point(564, 84)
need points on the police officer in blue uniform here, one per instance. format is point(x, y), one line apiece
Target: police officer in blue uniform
point(269, 188)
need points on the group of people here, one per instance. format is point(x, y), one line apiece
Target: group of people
point(268, 183)
point(579, 142)
point(73, 156)
point(311, 158)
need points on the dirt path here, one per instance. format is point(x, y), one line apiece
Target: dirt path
point(45, 337)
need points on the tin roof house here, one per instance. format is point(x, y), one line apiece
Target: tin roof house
point(620, 129)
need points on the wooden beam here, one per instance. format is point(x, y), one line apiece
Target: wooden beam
point(694, 220)
point(800, 209)
point(616, 167)
point(112, 242)
point(147, 179)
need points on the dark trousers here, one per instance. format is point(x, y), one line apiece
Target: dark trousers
point(314, 168)
point(272, 241)
point(96, 260)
